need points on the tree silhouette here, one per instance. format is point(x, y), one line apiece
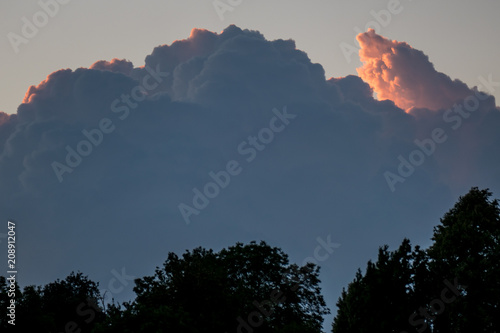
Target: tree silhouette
point(467, 247)
point(382, 299)
point(239, 289)
point(453, 286)
point(60, 306)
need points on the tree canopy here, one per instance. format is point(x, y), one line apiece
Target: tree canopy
point(61, 306)
point(453, 286)
point(241, 288)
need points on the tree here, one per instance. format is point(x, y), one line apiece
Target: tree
point(244, 287)
point(467, 248)
point(453, 286)
point(60, 306)
point(383, 298)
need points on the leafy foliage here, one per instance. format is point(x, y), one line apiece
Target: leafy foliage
point(249, 285)
point(67, 305)
point(382, 299)
point(406, 285)
point(467, 246)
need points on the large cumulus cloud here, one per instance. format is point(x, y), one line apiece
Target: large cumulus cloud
point(398, 72)
point(187, 112)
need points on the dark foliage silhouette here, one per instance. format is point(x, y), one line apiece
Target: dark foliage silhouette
point(453, 286)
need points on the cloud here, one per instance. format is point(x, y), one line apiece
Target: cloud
point(115, 65)
point(400, 73)
point(155, 133)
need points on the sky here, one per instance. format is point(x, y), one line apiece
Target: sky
point(132, 129)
